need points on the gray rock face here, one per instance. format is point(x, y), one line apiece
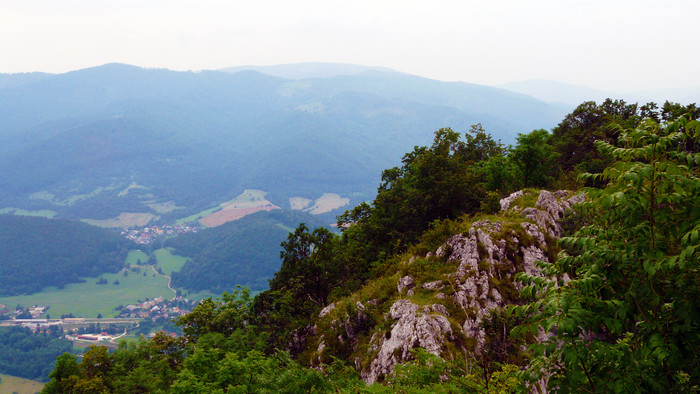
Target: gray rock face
point(505, 202)
point(425, 327)
point(550, 207)
point(474, 291)
point(437, 285)
point(405, 283)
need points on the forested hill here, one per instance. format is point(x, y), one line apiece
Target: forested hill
point(243, 252)
point(471, 271)
point(38, 252)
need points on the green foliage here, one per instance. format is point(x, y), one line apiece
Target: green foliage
point(433, 183)
point(498, 174)
point(224, 315)
point(428, 373)
point(64, 375)
point(627, 320)
point(29, 355)
point(139, 367)
point(301, 287)
point(535, 159)
point(491, 203)
point(574, 137)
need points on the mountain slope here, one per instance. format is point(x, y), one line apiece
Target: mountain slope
point(244, 252)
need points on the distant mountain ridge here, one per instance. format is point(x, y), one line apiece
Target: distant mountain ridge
point(307, 70)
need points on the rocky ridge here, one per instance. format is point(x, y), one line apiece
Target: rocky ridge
point(446, 316)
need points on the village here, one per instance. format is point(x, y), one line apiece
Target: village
point(158, 307)
point(150, 234)
point(79, 329)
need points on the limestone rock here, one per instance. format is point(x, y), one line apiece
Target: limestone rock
point(505, 202)
point(425, 327)
point(326, 310)
point(405, 283)
point(550, 207)
point(436, 285)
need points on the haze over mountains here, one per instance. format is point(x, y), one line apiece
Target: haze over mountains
point(569, 96)
point(97, 142)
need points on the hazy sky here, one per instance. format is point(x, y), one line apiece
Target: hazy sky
point(620, 45)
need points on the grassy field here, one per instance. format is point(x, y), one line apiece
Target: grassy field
point(13, 384)
point(88, 299)
point(163, 207)
point(169, 262)
point(197, 216)
point(23, 212)
point(136, 257)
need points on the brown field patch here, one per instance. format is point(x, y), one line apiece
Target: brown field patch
point(229, 214)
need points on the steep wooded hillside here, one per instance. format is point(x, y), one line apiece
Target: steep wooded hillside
point(244, 252)
point(38, 252)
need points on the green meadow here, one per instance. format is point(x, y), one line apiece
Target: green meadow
point(167, 261)
point(136, 257)
point(88, 299)
point(23, 212)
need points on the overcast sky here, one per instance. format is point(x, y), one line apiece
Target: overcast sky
point(615, 45)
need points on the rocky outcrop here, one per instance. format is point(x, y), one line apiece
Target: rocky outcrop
point(550, 207)
point(426, 327)
point(406, 283)
point(505, 202)
point(486, 258)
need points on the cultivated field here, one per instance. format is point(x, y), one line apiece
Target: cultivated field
point(163, 207)
point(13, 384)
point(197, 216)
point(248, 202)
point(124, 220)
point(230, 214)
point(299, 203)
point(326, 203)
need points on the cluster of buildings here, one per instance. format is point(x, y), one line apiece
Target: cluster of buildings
point(157, 307)
point(148, 235)
point(33, 312)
